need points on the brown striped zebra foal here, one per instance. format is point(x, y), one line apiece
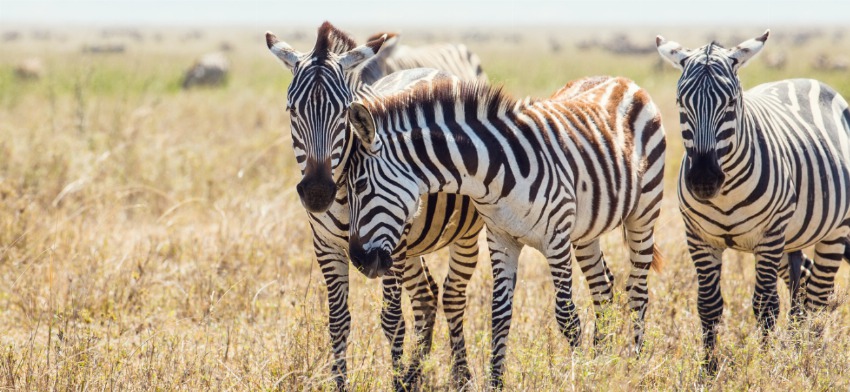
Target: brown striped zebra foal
point(326, 80)
point(550, 174)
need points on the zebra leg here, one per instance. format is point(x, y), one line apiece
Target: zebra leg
point(464, 257)
point(641, 254)
point(335, 270)
point(423, 292)
point(766, 297)
point(560, 258)
point(392, 320)
point(796, 286)
point(828, 255)
point(707, 261)
point(504, 255)
point(599, 279)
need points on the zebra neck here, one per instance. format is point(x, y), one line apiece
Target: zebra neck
point(739, 165)
point(475, 157)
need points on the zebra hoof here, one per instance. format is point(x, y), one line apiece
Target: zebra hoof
point(461, 377)
point(708, 368)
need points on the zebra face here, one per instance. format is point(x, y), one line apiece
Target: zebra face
point(710, 101)
point(317, 102)
point(383, 198)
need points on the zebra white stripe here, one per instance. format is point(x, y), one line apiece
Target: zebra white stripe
point(765, 171)
point(547, 174)
point(325, 82)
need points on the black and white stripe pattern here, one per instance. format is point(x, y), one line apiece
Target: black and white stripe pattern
point(765, 171)
point(455, 59)
point(325, 82)
point(550, 174)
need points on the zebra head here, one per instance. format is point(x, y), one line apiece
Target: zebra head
point(383, 197)
point(710, 101)
point(317, 100)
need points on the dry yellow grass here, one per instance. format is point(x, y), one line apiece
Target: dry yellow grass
point(150, 238)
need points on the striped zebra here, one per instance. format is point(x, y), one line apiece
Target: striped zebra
point(455, 59)
point(550, 174)
point(325, 82)
point(765, 171)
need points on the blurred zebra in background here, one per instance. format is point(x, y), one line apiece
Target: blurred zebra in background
point(326, 80)
point(455, 59)
point(765, 171)
point(549, 174)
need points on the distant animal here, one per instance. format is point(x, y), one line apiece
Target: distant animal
point(766, 171)
point(209, 70)
point(546, 173)
point(455, 59)
point(824, 62)
point(325, 82)
point(776, 60)
point(30, 69)
point(104, 48)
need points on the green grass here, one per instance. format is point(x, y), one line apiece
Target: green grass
point(150, 238)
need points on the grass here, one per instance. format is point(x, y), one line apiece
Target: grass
point(150, 238)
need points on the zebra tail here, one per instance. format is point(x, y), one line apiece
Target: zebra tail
point(657, 259)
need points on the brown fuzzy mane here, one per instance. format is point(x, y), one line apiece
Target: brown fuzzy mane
point(445, 91)
point(332, 40)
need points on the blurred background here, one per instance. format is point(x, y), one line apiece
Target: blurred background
point(151, 238)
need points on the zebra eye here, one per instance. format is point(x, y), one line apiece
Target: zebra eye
point(292, 112)
point(360, 185)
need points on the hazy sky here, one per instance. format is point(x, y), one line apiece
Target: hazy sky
point(425, 13)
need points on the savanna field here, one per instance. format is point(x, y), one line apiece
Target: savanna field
point(151, 237)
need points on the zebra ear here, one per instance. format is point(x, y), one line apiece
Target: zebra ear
point(746, 50)
point(358, 55)
point(672, 51)
point(284, 52)
point(362, 123)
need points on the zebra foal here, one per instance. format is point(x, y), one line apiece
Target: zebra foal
point(550, 174)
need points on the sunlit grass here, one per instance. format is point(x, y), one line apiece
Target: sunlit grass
point(150, 238)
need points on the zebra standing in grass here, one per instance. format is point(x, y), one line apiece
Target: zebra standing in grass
point(765, 171)
point(326, 81)
point(549, 174)
point(455, 59)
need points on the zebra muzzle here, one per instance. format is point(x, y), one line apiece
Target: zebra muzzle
point(373, 262)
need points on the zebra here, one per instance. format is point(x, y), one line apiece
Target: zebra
point(550, 174)
point(325, 82)
point(455, 59)
point(765, 171)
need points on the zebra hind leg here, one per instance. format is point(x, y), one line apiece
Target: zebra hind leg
point(423, 291)
point(795, 269)
point(464, 257)
point(600, 280)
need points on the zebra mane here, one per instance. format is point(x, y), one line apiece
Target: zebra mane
point(332, 40)
point(446, 92)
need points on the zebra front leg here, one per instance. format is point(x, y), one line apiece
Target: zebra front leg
point(707, 261)
point(392, 319)
point(423, 291)
point(464, 257)
point(504, 255)
point(599, 279)
point(766, 296)
point(335, 270)
point(642, 254)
